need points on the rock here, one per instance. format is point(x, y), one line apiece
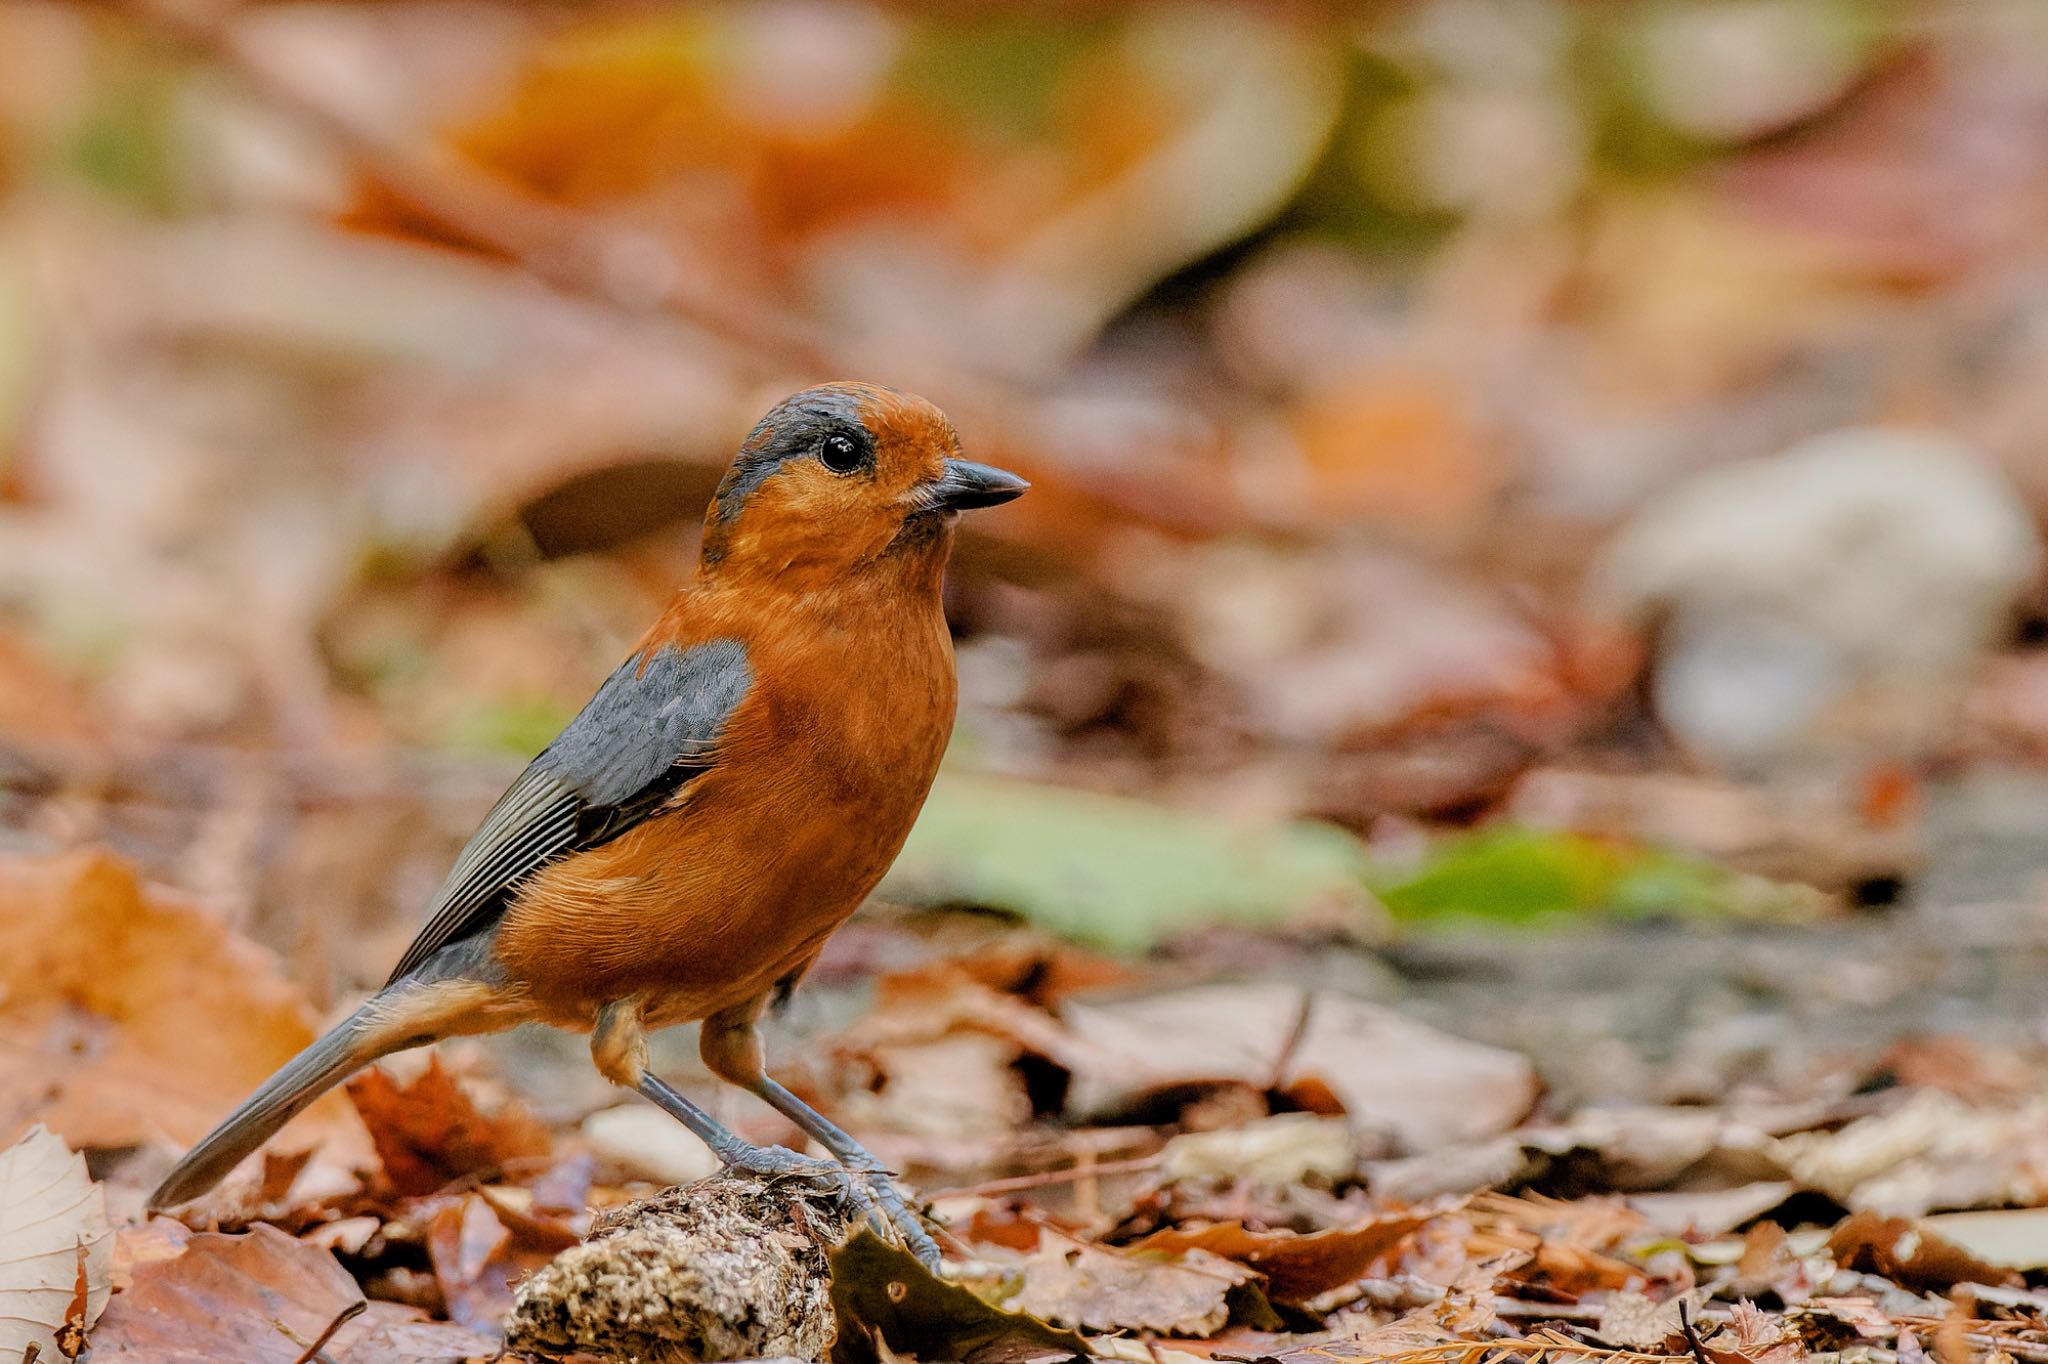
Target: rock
point(731, 1267)
point(1835, 595)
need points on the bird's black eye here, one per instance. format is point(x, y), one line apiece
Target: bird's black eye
point(840, 454)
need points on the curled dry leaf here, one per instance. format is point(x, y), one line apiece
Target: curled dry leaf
point(264, 1298)
point(888, 1305)
point(56, 1251)
point(1297, 1268)
point(430, 1132)
point(127, 1014)
point(481, 1248)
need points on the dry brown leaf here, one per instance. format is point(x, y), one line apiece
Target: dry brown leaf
point(1297, 1267)
point(1095, 1289)
point(56, 1249)
point(1911, 1253)
point(430, 1132)
point(1753, 1336)
point(1595, 1223)
point(1635, 1321)
point(263, 1298)
point(960, 1087)
point(1418, 1334)
point(127, 1014)
point(481, 1247)
point(1391, 1076)
point(160, 1238)
point(1860, 1315)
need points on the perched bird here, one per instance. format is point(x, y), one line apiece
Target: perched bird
point(727, 798)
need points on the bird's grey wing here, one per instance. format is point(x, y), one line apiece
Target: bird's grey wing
point(652, 726)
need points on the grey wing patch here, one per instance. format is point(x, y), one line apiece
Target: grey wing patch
point(652, 726)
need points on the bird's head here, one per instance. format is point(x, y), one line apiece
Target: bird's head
point(842, 477)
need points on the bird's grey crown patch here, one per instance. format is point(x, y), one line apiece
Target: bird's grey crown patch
point(792, 430)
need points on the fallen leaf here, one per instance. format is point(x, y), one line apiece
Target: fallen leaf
point(1910, 1253)
point(2011, 1238)
point(1860, 1315)
point(1191, 1293)
point(478, 1260)
point(1116, 872)
point(1753, 1336)
point(964, 1086)
point(127, 1014)
point(1391, 1077)
point(1713, 1212)
point(56, 1250)
point(1297, 1267)
point(1635, 1321)
point(263, 1298)
point(888, 1305)
point(160, 1238)
point(1929, 1152)
point(1283, 1149)
point(1415, 1336)
point(430, 1133)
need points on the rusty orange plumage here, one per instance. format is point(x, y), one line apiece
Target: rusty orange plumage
point(729, 796)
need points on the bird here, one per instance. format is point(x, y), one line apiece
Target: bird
point(725, 800)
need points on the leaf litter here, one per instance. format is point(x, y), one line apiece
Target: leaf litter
point(1751, 1233)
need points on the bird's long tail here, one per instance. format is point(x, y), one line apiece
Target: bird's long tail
point(350, 1045)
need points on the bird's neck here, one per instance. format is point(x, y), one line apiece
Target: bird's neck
point(908, 575)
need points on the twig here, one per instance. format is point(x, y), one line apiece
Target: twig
point(1692, 1332)
point(1020, 1183)
point(341, 1319)
point(2018, 1349)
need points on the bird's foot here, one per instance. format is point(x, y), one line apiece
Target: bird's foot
point(866, 1189)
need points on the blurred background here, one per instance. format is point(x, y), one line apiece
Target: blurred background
point(1537, 513)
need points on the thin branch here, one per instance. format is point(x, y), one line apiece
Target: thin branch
point(341, 1319)
point(1692, 1332)
point(1022, 1183)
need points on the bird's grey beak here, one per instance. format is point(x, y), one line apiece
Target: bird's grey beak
point(966, 485)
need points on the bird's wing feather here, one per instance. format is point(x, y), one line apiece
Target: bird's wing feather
point(652, 726)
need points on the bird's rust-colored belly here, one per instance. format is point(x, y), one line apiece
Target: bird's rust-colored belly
point(709, 905)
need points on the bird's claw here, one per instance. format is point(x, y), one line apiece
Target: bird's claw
point(868, 1190)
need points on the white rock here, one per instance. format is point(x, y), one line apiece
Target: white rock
point(1845, 585)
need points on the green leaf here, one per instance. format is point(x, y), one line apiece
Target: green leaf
point(1516, 875)
point(1121, 874)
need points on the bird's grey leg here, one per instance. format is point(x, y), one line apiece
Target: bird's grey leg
point(618, 1045)
point(731, 1046)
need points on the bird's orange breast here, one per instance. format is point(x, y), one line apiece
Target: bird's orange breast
point(819, 774)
